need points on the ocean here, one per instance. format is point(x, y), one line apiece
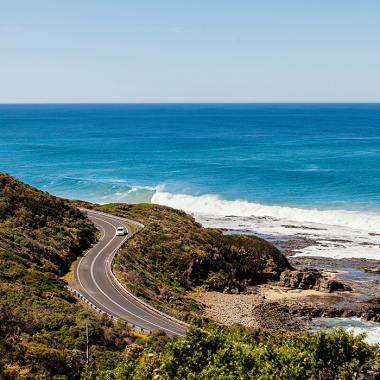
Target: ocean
point(310, 170)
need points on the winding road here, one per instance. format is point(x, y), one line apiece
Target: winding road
point(94, 282)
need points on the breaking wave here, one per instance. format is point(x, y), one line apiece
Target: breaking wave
point(106, 191)
point(332, 233)
point(214, 206)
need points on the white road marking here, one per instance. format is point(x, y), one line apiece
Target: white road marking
point(97, 285)
point(162, 325)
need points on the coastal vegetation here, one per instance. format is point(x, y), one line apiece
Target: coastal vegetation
point(43, 328)
point(215, 356)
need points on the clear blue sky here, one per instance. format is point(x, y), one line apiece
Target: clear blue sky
point(189, 51)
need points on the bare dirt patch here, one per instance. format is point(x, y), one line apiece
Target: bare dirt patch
point(260, 308)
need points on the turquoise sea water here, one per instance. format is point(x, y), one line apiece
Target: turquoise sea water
point(283, 163)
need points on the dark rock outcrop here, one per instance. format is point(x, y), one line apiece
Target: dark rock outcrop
point(269, 276)
point(326, 285)
point(372, 270)
point(311, 279)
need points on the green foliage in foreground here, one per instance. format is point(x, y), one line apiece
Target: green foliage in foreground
point(46, 336)
point(334, 354)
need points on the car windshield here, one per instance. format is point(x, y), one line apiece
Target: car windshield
point(121, 228)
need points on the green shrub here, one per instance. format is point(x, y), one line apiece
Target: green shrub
point(334, 354)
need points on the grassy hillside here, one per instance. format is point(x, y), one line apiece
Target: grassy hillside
point(39, 231)
point(175, 254)
point(42, 328)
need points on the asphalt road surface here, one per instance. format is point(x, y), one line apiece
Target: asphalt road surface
point(94, 283)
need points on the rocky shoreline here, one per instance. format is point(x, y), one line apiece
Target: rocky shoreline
point(317, 288)
point(272, 306)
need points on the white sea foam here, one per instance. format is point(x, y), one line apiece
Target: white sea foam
point(339, 233)
point(358, 326)
point(213, 205)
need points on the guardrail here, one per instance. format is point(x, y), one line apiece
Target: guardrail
point(111, 261)
point(125, 323)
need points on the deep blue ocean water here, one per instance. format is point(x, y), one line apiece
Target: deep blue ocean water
point(289, 163)
point(302, 155)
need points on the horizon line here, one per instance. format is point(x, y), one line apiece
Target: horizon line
point(279, 102)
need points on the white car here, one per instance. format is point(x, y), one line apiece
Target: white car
point(120, 231)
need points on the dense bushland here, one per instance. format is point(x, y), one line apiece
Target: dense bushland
point(39, 231)
point(43, 328)
point(175, 254)
point(45, 336)
point(324, 355)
